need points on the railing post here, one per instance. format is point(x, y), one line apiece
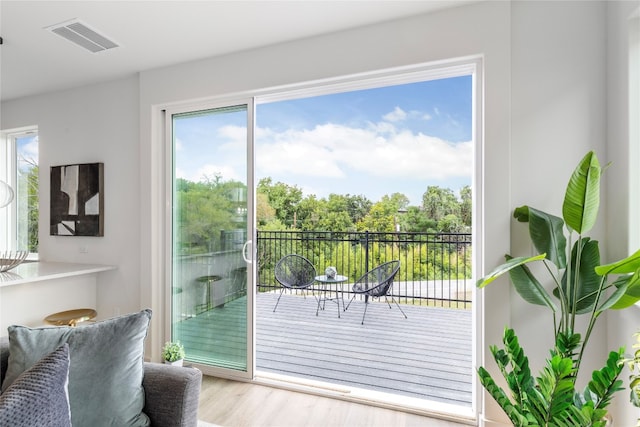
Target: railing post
point(366, 251)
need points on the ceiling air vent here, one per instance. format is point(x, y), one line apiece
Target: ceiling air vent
point(80, 34)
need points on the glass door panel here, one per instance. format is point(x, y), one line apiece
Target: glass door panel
point(209, 272)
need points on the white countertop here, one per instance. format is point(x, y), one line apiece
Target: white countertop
point(29, 272)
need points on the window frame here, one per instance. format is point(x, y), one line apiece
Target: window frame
point(9, 174)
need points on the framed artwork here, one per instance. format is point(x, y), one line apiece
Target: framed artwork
point(77, 200)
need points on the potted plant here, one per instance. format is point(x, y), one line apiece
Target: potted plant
point(634, 377)
point(581, 286)
point(173, 353)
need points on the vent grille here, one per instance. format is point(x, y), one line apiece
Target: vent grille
point(82, 35)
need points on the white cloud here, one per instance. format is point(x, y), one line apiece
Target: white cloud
point(331, 158)
point(335, 151)
point(397, 115)
point(307, 153)
point(30, 149)
point(233, 133)
point(382, 127)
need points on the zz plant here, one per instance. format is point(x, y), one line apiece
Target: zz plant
point(580, 286)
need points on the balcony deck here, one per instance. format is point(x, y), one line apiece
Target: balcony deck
point(426, 356)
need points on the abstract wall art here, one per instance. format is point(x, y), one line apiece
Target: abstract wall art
point(77, 200)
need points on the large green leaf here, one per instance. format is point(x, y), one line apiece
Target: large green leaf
point(588, 281)
point(529, 288)
point(632, 292)
point(622, 285)
point(546, 232)
point(582, 198)
point(504, 268)
point(628, 265)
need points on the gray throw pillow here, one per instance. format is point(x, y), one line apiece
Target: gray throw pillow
point(38, 397)
point(106, 368)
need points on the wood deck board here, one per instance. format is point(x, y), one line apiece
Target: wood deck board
point(428, 355)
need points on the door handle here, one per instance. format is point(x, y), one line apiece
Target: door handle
point(244, 251)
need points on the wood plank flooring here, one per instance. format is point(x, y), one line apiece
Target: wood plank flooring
point(238, 404)
point(426, 356)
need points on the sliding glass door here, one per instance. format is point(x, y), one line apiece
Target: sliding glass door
point(210, 228)
point(405, 145)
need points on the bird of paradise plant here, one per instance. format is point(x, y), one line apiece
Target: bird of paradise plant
point(581, 286)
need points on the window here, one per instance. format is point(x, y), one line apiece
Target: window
point(19, 220)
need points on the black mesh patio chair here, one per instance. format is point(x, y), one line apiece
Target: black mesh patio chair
point(294, 272)
point(376, 283)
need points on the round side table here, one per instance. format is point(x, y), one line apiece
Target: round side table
point(71, 317)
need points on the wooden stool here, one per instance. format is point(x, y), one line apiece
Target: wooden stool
point(71, 317)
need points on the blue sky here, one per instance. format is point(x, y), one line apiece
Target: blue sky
point(370, 142)
point(27, 147)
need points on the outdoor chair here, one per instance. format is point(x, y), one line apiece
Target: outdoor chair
point(376, 283)
point(294, 272)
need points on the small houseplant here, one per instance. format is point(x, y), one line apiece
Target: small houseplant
point(173, 353)
point(581, 286)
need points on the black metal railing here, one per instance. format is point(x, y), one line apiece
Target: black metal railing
point(435, 267)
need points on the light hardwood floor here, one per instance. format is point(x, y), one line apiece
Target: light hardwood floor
point(238, 404)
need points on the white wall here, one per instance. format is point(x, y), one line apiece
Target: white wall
point(92, 124)
point(558, 113)
point(545, 94)
point(621, 220)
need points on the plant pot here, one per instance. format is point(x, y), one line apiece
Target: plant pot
point(176, 363)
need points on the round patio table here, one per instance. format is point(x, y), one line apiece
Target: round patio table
point(327, 282)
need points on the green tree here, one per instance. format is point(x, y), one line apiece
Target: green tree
point(450, 224)
point(415, 220)
point(466, 207)
point(336, 213)
point(357, 207)
point(335, 221)
point(439, 202)
point(309, 212)
point(265, 213)
point(203, 210)
point(283, 198)
point(28, 179)
point(381, 218)
point(397, 201)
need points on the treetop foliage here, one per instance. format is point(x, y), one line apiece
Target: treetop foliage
point(207, 209)
point(441, 210)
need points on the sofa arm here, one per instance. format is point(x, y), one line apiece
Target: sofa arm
point(172, 394)
point(4, 356)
